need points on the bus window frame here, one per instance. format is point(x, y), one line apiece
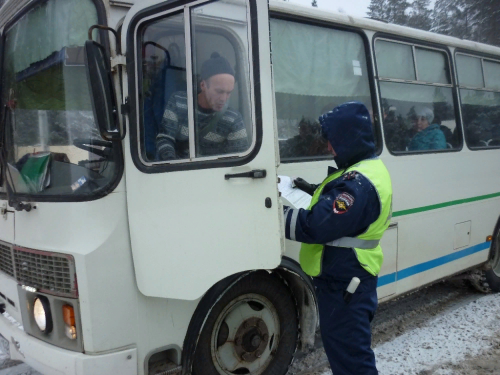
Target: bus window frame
point(117, 145)
point(369, 66)
point(482, 56)
point(453, 85)
point(134, 61)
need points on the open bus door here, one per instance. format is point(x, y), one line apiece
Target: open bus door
point(201, 216)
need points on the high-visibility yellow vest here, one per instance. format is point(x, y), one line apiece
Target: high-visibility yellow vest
point(367, 244)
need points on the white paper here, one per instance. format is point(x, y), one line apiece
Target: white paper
point(293, 195)
point(15, 178)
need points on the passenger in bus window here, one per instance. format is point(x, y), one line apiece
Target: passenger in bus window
point(429, 135)
point(308, 142)
point(397, 134)
point(340, 234)
point(219, 129)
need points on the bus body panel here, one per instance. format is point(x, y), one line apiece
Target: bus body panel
point(8, 287)
point(98, 241)
point(190, 229)
point(51, 360)
point(7, 222)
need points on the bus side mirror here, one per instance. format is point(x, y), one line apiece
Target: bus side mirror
point(102, 91)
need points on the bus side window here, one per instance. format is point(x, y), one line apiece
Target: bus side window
point(315, 69)
point(479, 81)
point(418, 112)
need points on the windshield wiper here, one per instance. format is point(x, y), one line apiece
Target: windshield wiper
point(6, 173)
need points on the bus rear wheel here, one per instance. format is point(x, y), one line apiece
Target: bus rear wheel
point(492, 274)
point(488, 280)
point(252, 329)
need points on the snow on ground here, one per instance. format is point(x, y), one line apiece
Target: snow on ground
point(444, 342)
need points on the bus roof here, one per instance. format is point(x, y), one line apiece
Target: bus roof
point(11, 7)
point(379, 26)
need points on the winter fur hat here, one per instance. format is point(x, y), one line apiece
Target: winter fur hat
point(216, 64)
point(427, 113)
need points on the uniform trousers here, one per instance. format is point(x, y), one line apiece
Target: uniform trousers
point(345, 326)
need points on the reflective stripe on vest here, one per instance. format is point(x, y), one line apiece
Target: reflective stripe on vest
point(354, 242)
point(367, 244)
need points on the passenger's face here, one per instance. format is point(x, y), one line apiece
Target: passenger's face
point(422, 123)
point(217, 91)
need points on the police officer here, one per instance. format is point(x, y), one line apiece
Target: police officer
point(340, 234)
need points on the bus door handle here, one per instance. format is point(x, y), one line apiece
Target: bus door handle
point(256, 173)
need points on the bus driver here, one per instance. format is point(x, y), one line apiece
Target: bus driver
point(218, 128)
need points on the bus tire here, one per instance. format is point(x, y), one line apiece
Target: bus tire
point(492, 273)
point(252, 329)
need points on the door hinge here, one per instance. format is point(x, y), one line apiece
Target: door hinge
point(125, 108)
point(3, 210)
point(118, 60)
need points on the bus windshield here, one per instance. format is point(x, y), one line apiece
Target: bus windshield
point(52, 144)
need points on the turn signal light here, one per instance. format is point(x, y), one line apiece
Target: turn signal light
point(489, 238)
point(70, 332)
point(69, 315)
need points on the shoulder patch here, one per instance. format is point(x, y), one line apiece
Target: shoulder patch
point(351, 175)
point(342, 203)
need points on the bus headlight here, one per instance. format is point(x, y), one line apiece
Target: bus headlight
point(42, 315)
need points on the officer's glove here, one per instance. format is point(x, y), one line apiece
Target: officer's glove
point(304, 185)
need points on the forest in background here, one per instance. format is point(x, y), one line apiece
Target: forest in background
point(476, 20)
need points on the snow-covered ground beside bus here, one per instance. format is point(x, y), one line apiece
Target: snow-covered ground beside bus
point(445, 329)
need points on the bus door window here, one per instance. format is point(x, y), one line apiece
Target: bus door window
point(172, 131)
point(479, 81)
point(163, 73)
point(417, 98)
point(222, 108)
point(315, 69)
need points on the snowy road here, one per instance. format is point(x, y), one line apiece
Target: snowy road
point(445, 329)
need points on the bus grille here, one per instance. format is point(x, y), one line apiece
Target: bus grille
point(52, 273)
point(6, 264)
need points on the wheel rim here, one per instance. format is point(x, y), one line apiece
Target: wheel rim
point(245, 336)
point(495, 261)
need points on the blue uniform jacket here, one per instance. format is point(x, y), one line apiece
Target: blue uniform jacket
point(325, 223)
point(347, 205)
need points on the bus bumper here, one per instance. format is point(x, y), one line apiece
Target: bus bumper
point(51, 360)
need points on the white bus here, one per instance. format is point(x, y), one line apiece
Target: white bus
point(115, 262)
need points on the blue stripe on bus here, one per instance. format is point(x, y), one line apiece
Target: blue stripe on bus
point(386, 279)
point(422, 267)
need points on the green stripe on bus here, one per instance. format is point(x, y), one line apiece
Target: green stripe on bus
point(445, 204)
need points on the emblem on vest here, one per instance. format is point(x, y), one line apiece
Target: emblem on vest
point(350, 175)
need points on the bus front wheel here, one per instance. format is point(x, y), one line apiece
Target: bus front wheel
point(252, 329)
